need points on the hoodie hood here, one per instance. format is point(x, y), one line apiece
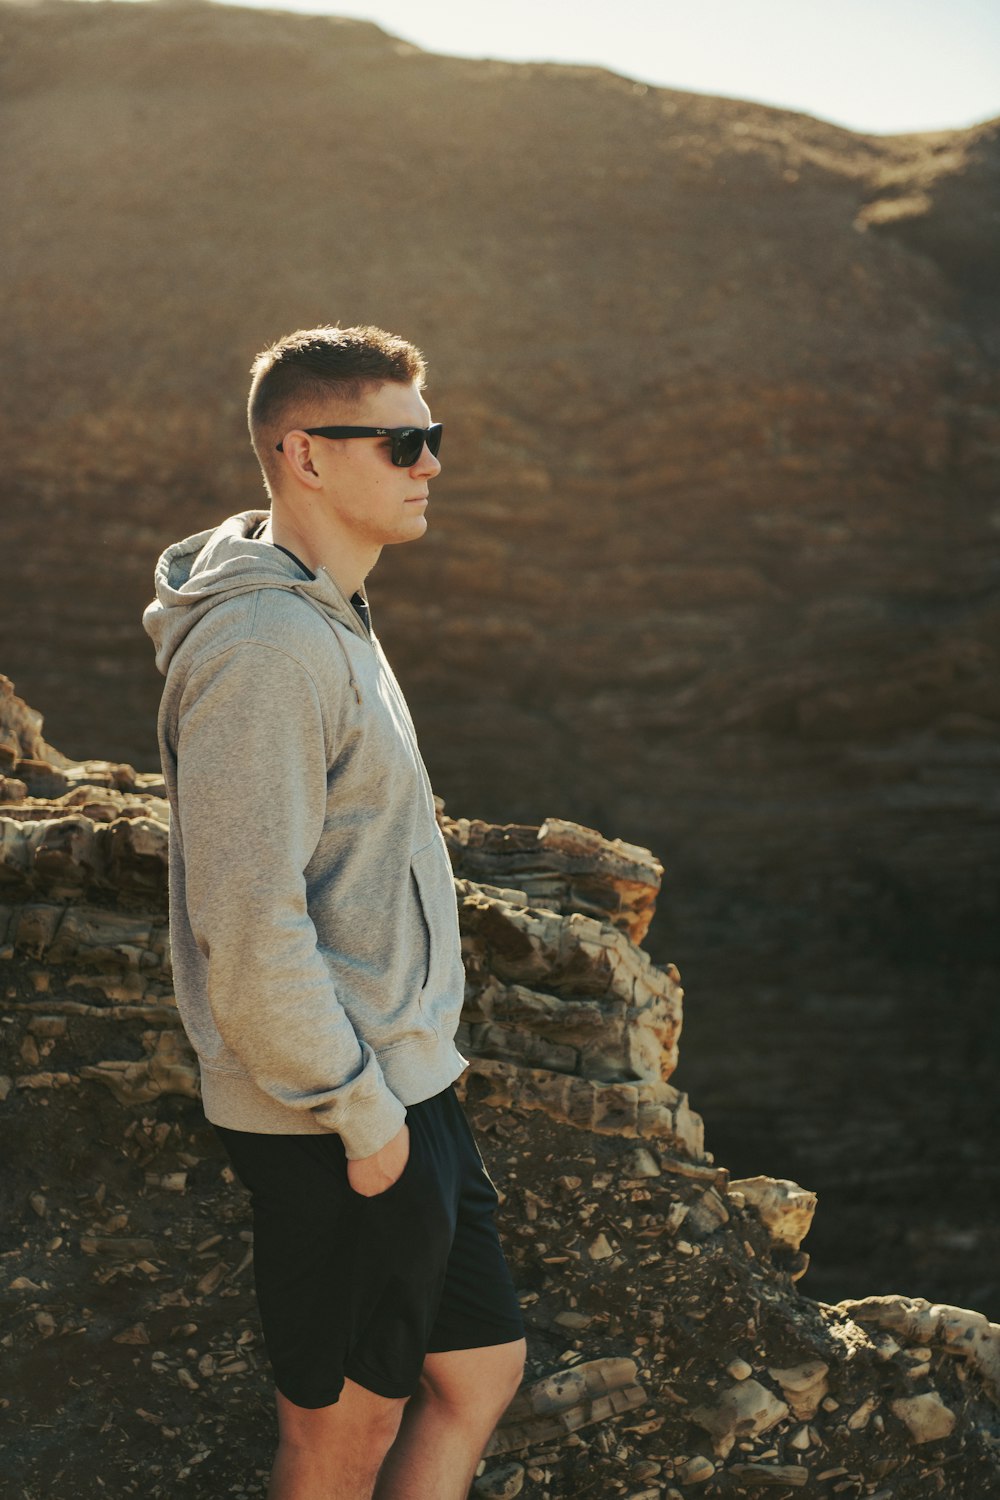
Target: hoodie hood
point(205, 569)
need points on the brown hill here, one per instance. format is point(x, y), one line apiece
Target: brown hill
point(712, 562)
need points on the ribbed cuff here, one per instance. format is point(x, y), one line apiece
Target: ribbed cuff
point(370, 1123)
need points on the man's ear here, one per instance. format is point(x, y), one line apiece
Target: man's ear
point(297, 452)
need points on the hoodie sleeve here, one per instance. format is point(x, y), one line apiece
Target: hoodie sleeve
point(252, 795)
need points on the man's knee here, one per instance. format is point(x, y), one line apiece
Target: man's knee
point(511, 1369)
point(483, 1380)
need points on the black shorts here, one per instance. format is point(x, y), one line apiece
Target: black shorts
point(365, 1287)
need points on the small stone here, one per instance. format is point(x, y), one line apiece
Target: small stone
point(45, 1323)
point(207, 1284)
point(47, 1025)
point(500, 1484)
point(742, 1410)
point(786, 1209)
point(187, 1380)
point(39, 1204)
point(646, 1468)
point(116, 1247)
point(574, 1320)
point(739, 1369)
point(696, 1470)
point(707, 1215)
point(29, 1052)
point(599, 1249)
point(859, 1419)
point(173, 1182)
point(925, 1415)
point(639, 1163)
point(803, 1386)
point(885, 1344)
point(771, 1474)
point(6, 1084)
point(569, 1184)
point(800, 1438)
point(137, 1334)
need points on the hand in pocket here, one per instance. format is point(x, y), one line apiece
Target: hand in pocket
point(371, 1175)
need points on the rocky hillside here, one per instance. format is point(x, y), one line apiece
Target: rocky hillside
point(674, 1348)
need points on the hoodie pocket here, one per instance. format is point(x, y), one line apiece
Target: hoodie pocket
point(426, 868)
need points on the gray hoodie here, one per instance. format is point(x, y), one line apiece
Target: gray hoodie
point(313, 922)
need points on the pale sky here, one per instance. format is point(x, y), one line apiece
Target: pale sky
point(886, 66)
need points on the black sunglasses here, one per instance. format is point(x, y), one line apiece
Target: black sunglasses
point(407, 442)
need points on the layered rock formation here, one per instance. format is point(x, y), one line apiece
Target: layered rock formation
point(671, 1349)
point(564, 1012)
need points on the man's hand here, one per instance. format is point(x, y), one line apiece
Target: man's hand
point(371, 1175)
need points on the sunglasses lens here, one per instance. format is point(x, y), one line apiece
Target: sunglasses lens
point(408, 444)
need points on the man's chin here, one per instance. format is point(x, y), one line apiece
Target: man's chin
point(411, 533)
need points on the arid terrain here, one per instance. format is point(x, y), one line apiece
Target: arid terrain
point(712, 565)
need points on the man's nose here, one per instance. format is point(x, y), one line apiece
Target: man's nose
point(427, 465)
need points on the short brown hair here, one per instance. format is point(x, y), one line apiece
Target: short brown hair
point(295, 379)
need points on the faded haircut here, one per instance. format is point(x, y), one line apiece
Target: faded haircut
point(295, 380)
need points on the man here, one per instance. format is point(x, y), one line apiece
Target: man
point(315, 941)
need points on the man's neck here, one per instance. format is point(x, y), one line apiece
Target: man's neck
point(345, 565)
